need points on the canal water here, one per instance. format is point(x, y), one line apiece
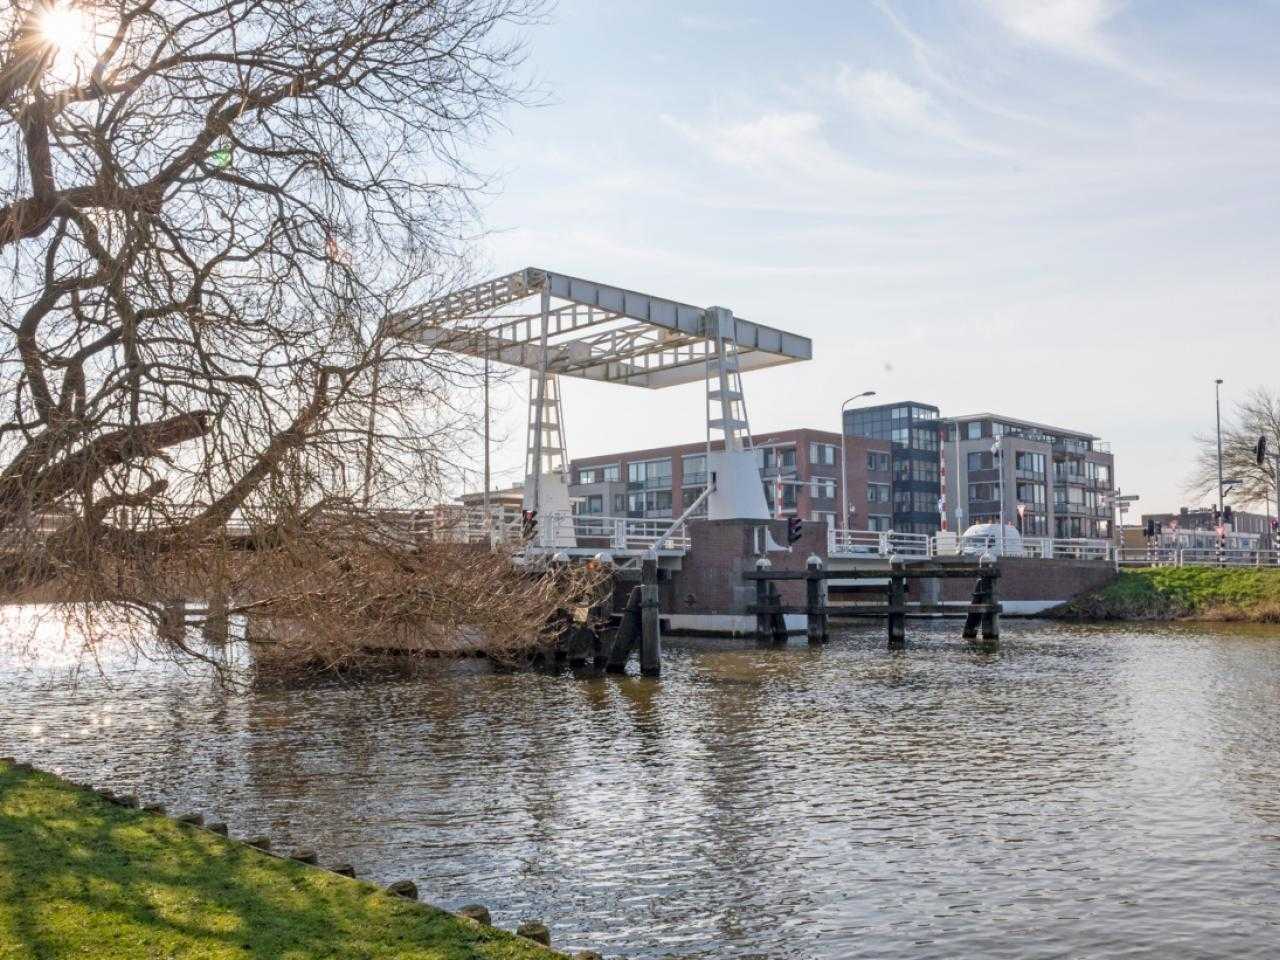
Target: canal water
point(1098, 791)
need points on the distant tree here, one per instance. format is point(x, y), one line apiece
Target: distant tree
point(207, 208)
point(1258, 414)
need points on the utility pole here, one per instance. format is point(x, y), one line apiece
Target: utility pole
point(1217, 410)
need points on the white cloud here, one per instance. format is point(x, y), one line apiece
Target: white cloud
point(778, 142)
point(881, 94)
point(888, 99)
point(1074, 26)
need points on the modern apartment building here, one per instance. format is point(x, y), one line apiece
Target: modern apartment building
point(1053, 482)
point(911, 429)
point(800, 470)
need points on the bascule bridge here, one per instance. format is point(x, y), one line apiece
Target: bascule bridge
point(556, 326)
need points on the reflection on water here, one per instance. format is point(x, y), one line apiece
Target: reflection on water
point(1084, 791)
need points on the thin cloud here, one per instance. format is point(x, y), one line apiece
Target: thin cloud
point(886, 98)
point(787, 143)
point(1074, 26)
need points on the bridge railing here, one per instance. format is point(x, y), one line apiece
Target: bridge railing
point(628, 533)
point(882, 543)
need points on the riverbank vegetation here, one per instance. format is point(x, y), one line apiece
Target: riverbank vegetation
point(80, 877)
point(1175, 593)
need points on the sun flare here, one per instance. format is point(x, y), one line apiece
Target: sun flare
point(71, 33)
point(65, 27)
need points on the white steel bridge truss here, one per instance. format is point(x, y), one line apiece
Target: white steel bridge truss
point(555, 325)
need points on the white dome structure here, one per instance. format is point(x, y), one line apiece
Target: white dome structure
point(986, 537)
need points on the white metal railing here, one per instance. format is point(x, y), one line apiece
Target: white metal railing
point(883, 543)
point(632, 533)
point(627, 533)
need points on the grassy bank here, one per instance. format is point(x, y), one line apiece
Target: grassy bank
point(80, 877)
point(1175, 593)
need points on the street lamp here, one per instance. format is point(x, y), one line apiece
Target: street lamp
point(1217, 410)
point(844, 460)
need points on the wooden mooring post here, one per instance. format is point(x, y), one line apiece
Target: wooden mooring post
point(983, 612)
point(650, 625)
point(815, 597)
point(628, 631)
point(897, 618)
point(762, 601)
point(640, 625)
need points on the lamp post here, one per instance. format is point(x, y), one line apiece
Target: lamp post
point(1217, 411)
point(997, 451)
point(844, 461)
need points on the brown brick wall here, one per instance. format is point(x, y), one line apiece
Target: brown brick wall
point(1022, 578)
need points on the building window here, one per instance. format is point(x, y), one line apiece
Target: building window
point(924, 439)
point(587, 475)
point(649, 474)
point(1026, 462)
point(980, 460)
point(1035, 525)
point(925, 471)
point(822, 516)
point(610, 474)
point(693, 471)
point(878, 462)
point(900, 436)
point(619, 504)
point(593, 504)
point(822, 488)
point(982, 492)
point(822, 454)
point(878, 493)
point(649, 503)
point(1031, 493)
point(973, 429)
point(879, 522)
point(788, 496)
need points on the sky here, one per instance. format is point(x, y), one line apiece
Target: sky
point(1063, 211)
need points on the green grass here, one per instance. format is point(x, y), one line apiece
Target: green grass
point(83, 878)
point(1167, 593)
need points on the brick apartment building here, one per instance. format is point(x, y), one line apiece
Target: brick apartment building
point(1062, 479)
point(662, 482)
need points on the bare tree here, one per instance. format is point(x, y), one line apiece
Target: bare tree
point(1257, 415)
point(210, 207)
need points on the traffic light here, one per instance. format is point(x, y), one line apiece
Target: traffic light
point(1227, 515)
point(1151, 528)
point(793, 529)
point(528, 524)
point(1260, 451)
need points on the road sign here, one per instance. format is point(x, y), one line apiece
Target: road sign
point(1128, 498)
